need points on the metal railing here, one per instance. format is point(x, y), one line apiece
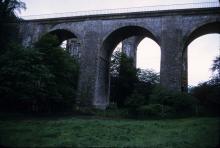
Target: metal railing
point(125, 10)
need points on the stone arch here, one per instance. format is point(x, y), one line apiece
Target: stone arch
point(62, 34)
point(102, 89)
point(113, 38)
point(197, 31)
point(73, 45)
point(202, 29)
point(74, 29)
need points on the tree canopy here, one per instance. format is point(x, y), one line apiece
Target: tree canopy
point(8, 9)
point(8, 27)
point(39, 79)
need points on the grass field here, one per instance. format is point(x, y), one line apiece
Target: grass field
point(81, 132)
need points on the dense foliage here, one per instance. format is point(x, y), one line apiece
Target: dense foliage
point(23, 77)
point(40, 79)
point(139, 91)
point(173, 103)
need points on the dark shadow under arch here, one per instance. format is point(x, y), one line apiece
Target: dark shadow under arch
point(62, 34)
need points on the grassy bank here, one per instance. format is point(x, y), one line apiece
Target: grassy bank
point(73, 132)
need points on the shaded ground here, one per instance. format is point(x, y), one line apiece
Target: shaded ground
point(73, 132)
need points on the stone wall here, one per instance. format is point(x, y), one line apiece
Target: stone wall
point(98, 35)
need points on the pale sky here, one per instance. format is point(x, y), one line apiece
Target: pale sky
point(201, 51)
point(36, 7)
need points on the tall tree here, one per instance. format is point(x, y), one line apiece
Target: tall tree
point(8, 9)
point(64, 68)
point(8, 18)
point(41, 79)
point(123, 78)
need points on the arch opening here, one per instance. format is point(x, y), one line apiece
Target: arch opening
point(110, 43)
point(62, 34)
point(145, 56)
point(148, 55)
point(202, 52)
point(68, 41)
point(201, 48)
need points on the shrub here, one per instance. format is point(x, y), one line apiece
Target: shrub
point(182, 103)
point(107, 113)
point(151, 110)
point(154, 111)
point(208, 94)
point(42, 79)
point(113, 113)
point(23, 76)
point(136, 100)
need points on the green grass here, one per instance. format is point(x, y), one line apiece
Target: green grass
point(73, 132)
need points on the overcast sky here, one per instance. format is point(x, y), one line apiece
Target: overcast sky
point(201, 51)
point(35, 7)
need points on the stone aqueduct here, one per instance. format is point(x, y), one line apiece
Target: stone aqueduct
point(98, 35)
